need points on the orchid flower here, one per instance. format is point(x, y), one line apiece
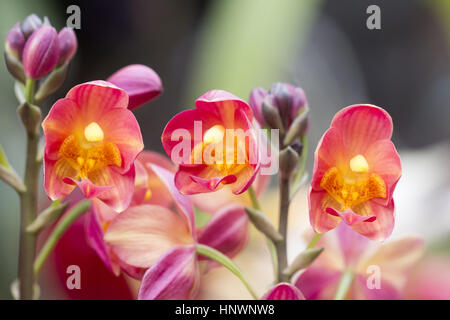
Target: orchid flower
point(379, 271)
point(91, 141)
point(208, 156)
point(356, 169)
point(158, 239)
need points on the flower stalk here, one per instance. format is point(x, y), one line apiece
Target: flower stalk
point(281, 246)
point(227, 263)
point(28, 203)
point(57, 233)
point(344, 284)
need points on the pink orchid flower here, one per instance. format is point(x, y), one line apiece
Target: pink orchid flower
point(380, 271)
point(356, 169)
point(207, 159)
point(162, 242)
point(92, 140)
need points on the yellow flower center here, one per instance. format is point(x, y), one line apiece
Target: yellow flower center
point(228, 157)
point(90, 152)
point(93, 132)
point(355, 186)
point(359, 164)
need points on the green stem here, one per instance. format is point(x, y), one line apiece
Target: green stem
point(28, 204)
point(59, 230)
point(29, 90)
point(254, 199)
point(314, 240)
point(227, 263)
point(270, 244)
point(281, 246)
point(344, 284)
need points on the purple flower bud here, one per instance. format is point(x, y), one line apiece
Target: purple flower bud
point(41, 52)
point(15, 41)
point(299, 101)
point(140, 82)
point(256, 98)
point(30, 24)
point(67, 45)
point(283, 99)
point(288, 100)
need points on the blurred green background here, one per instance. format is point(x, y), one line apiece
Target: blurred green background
point(235, 45)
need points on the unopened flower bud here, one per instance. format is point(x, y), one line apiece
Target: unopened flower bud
point(271, 115)
point(302, 261)
point(298, 127)
point(288, 161)
point(283, 100)
point(290, 102)
point(41, 52)
point(140, 82)
point(67, 45)
point(263, 224)
point(31, 117)
point(15, 41)
point(256, 99)
point(30, 24)
point(14, 67)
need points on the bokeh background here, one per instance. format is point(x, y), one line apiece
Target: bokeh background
point(323, 46)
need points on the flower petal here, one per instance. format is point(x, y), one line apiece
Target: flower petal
point(180, 134)
point(141, 234)
point(119, 196)
point(174, 276)
point(227, 231)
point(141, 83)
point(96, 98)
point(95, 233)
point(283, 291)
point(382, 227)
point(352, 245)
point(318, 283)
point(360, 290)
point(361, 126)
point(396, 259)
point(320, 220)
point(88, 189)
point(122, 129)
point(223, 104)
point(330, 152)
point(384, 160)
point(183, 203)
point(62, 120)
point(54, 173)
